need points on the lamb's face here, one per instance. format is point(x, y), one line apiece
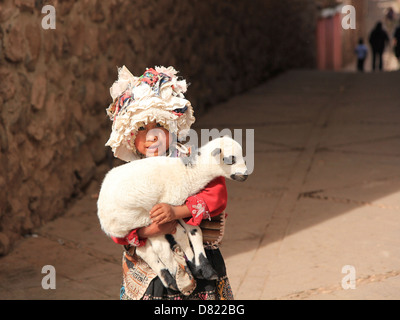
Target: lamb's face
point(230, 157)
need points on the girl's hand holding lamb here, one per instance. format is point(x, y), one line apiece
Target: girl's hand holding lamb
point(162, 213)
point(156, 229)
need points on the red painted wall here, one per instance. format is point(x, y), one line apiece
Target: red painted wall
point(329, 43)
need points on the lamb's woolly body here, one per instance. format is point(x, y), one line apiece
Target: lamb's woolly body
point(124, 205)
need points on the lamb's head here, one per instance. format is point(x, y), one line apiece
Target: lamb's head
point(227, 156)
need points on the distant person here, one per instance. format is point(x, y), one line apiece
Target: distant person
point(378, 40)
point(361, 52)
point(390, 14)
point(390, 19)
point(397, 42)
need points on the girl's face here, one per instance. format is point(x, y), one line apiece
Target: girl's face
point(152, 140)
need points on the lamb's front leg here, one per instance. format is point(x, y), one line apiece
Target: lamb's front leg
point(149, 255)
point(200, 265)
point(182, 239)
point(172, 255)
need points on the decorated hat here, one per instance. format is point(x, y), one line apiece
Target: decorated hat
point(157, 96)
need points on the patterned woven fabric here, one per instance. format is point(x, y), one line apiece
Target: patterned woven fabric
point(141, 283)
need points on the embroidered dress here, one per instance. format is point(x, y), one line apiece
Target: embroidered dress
point(141, 283)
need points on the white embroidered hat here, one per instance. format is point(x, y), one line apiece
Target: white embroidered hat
point(157, 95)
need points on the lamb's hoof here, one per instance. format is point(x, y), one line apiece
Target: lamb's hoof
point(195, 270)
point(168, 280)
point(204, 270)
point(209, 273)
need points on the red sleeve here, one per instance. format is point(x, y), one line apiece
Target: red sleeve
point(209, 202)
point(132, 238)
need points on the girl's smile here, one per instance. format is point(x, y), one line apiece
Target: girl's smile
point(152, 140)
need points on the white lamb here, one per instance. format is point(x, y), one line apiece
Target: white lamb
point(129, 191)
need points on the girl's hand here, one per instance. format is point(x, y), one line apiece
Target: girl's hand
point(162, 213)
point(156, 229)
point(168, 228)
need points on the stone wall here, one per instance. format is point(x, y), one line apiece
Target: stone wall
point(54, 83)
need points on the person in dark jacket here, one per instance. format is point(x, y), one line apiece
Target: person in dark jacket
point(378, 40)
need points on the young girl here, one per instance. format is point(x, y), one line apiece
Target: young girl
point(149, 113)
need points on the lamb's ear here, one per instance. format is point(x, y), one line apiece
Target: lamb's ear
point(216, 152)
